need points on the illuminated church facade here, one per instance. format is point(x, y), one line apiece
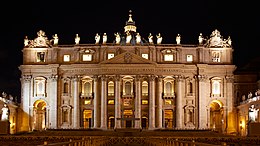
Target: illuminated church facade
point(132, 82)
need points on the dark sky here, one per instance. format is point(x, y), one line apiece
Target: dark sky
point(238, 19)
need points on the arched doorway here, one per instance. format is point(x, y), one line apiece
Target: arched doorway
point(39, 115)
point(216, 116)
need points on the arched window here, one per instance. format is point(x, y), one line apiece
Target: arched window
point(66, 88)
point(87, 88)
point(111, 88)
point(168, 88)
point(39, 84)
point(145, 88)
point(127, 88)
point(216, 87)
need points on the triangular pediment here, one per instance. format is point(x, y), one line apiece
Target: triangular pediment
point(127, 58)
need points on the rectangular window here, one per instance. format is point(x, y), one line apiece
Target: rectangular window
point(168, 57)
point(88, 101)
point(215, 56)
point(145, 56)
point(87, 57)
point(111, 101)
point(144, 101)
point(66, 58)
point(40, 56)
point(110, 55)
point(168, 102)
point(189, 58)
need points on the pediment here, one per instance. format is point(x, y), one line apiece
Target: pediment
point(127, 58)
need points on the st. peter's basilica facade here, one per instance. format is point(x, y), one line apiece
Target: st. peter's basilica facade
point(132, 82)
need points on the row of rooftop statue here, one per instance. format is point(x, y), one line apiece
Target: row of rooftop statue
point(129, 38)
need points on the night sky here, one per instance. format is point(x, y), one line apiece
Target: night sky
point(239, 20)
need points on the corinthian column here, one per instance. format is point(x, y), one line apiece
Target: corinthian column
point(76, 117)
point(179, 107)
point(53, 113)
point(151, 102)
point(103, 102)
point(96, 103)
point(202, 111)
point(117, 102)
point(26, 86)
point(138, 102)
point(159, 102)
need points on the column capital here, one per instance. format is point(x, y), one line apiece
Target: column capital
point(103, 77)
point(201, 78)
point(160, 78)
point(76, 78)
point(230, 78)
point(53, 77)
point(95, 77)
point(179, 78)
point(26, 78)
point(138, 78)
point(151, 77)
point(117, 78)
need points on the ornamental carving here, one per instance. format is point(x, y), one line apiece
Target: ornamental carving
point(40, 41)
point(128, 58)
point(216, 40)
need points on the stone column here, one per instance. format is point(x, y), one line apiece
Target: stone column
point(117, 101)
point(53, 95)
point(179, 98)
point(26, 85)
point(103, 102)
point(96, 103)
point(76, 113)
point(159, 102)
point(138, 107)
point(151, 102)
point(202, 109)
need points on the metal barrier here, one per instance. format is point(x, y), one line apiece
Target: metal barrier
point(85, 141)
point(147, 141)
